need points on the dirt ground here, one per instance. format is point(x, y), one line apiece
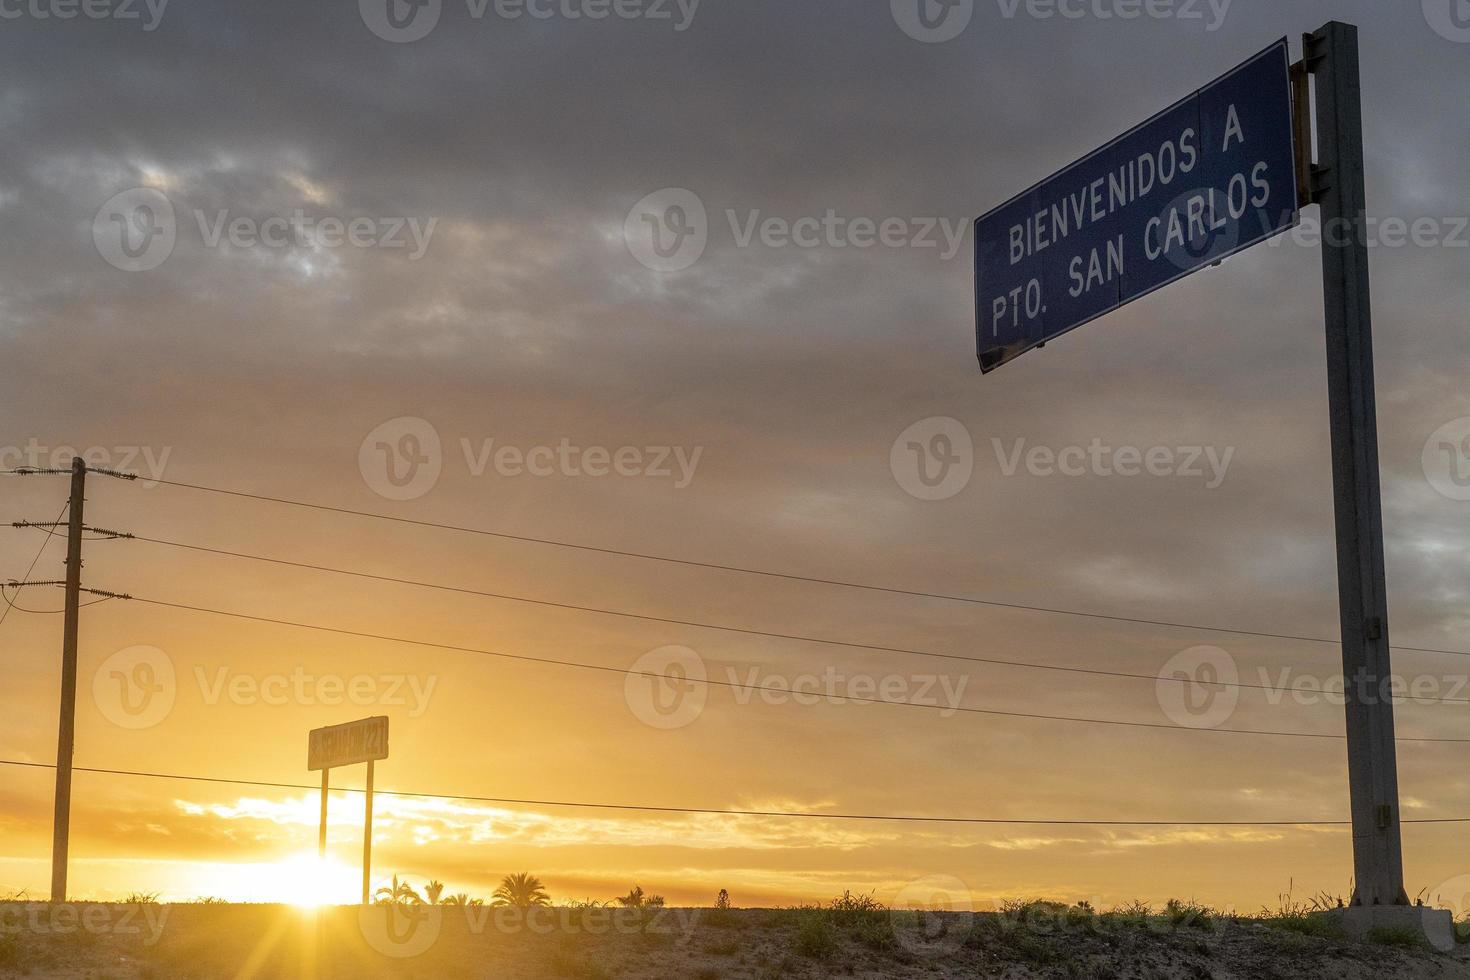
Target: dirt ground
point(162, 942)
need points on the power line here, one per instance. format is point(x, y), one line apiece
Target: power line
point(787, 576)
point(798, 814)
point(785, 692)
point(905, 651)
point(8, 604)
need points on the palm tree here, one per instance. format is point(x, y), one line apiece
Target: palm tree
point(459, 899)
point(433, 890)
point(522, 891)
point(401, 893)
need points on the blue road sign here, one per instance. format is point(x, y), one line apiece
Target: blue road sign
point(1202, 180)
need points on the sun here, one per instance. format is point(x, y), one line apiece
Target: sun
point(311, 881)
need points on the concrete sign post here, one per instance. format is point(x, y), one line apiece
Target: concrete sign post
point(1226, 168)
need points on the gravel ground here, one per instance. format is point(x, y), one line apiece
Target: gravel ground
point(162, 942)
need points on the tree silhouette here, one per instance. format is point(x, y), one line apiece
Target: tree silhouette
point(401, 893)
point(522, 891)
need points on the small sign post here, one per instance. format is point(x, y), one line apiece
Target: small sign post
point(346, 745)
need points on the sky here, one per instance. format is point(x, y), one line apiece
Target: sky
point(501, 344)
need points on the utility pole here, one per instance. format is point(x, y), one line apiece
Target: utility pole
point(66, 736)
point(66, 732)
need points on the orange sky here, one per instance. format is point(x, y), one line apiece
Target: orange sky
point(530, 320)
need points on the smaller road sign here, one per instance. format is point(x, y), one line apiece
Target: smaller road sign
point(349, 744)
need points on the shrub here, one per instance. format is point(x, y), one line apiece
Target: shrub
point(815, 937)
point(1188, 915)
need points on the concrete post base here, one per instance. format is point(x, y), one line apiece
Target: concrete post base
point(1437, 926)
